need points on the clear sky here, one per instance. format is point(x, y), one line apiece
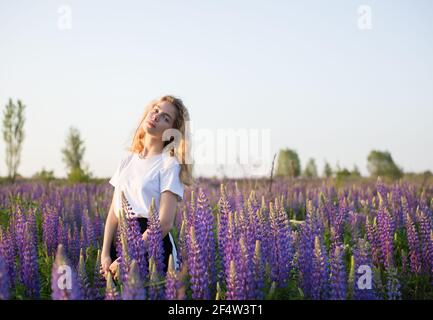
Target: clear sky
point(303, 69)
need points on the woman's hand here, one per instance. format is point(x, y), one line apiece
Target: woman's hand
point(105, 265)
point(114, 267)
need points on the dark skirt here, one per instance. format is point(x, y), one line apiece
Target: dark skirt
point(168, 248)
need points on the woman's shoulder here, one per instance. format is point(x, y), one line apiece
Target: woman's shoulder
point(169, 162)
point(126, 157)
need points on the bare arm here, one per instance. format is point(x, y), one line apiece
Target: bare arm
point(109, 232)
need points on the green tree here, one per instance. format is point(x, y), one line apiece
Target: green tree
point(45, 175)
point(355, 172)
point(342, 173)
point(288, 164)
point(380, 163)
point(327, 171)
point(13, 135)
point(73, 155)
point(310, 169)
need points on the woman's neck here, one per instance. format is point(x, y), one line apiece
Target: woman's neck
point(152, 146)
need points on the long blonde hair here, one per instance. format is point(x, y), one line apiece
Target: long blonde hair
point(183, 148)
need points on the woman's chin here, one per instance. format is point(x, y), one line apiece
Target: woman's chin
point(149, 129)
point(152, 132)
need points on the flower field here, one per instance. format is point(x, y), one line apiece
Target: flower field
point(236, 240)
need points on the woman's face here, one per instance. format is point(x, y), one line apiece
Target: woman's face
point(160, 118)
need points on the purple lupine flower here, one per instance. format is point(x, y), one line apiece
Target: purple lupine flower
point(385, 233)
point(259, 272)
point(281, 250)
point(183, 241)
point(295, 250)
point(136, 246)
point(73, 245)
point(285, 249)
point(396, 205)
point(364, 289)
point(328, 208)
point(122, 246)
point(192, 206)
point(29, 264)
point(253, 202)
point(83, 280)
point(210, 245)
point(427, 245)
point(407, 209)
point(224, 209)
point(338, 275)
point(97, 228)
point(204, 226)
point(382, 191)
point(252, 230)
point(243, 272)
point(431, 256)
point(263, 232)
point(233, 252)
point(31, 220)
point(64, 282)
point(154, 239)
point(171, 281)
point(354, 223)
point(62, 234)
point(320, 271)
point(7, 250)
point(250, 245)
point(98, 279)
point(423, 205)
point(50, 228)
point(230, 244)
point(274, 252)
point(111, 292)
point(306, 248)
point(197, 268)
point(83, 242)
point(89, 229)
point(156, 290)
point(124, 258)
point(19, 230)
point(232, 283)
point(4, 280)
point(134, 238)
point(340, 218)
point(373, 239)
point(133, 289)
point(414, 249)
point(410, 195)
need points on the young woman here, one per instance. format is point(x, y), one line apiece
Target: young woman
point(152, 168)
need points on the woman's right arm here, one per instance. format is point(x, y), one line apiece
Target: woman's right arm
point(109, 232)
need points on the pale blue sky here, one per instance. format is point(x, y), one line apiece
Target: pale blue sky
point(300, 68)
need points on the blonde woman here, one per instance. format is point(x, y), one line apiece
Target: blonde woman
point(153, 167)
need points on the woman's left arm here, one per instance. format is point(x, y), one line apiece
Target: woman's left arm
point(167, 212)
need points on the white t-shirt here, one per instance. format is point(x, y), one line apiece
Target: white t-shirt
point(142, 179)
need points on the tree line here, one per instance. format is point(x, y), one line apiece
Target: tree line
point(14, 134)
point(379, 163)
